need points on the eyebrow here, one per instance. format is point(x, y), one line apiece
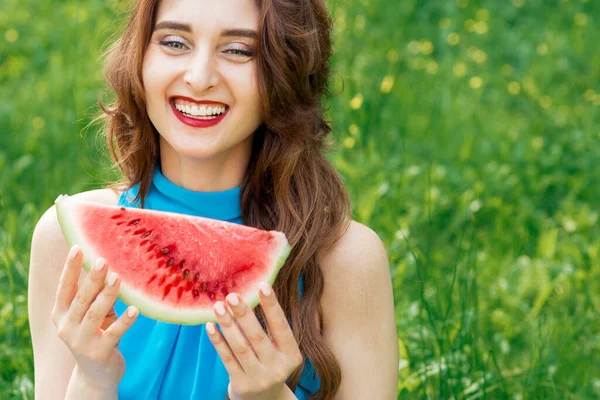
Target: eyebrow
point(178, 26)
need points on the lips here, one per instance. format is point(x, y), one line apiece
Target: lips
point(195, 122)
point(196, 102)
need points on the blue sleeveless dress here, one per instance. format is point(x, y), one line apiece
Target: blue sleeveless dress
point(178, 362)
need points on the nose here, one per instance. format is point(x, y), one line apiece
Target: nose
point(202, 73)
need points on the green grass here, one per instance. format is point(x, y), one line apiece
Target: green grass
point(468, 136)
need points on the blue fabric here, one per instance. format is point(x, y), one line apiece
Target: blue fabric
point(168, 361)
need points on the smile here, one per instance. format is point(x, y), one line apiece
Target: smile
point(199, 117)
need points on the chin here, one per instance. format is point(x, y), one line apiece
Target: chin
point(197, 152)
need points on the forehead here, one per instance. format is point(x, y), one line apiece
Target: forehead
point(208, 15)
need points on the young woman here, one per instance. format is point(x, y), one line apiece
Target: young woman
point(218, 113)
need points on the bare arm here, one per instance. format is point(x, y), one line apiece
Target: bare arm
point(359, 321)
point(53, 361)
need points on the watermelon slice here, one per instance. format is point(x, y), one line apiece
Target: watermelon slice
point(173, 267)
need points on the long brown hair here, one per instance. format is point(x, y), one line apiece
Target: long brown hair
point(289, 185)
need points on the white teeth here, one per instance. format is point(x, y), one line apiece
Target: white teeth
point(199, 111)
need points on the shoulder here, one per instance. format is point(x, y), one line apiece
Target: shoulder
point(357, 259)
point(359, 321)
point(47, 236)
point(355, 269)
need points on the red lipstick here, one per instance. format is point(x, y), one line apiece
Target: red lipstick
point(198, 123)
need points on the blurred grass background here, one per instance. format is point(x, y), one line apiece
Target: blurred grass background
point(468, 135)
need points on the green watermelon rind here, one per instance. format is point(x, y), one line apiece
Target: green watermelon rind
point(148, 307)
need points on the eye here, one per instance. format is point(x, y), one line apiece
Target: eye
point(173, 44)
point(240, 51)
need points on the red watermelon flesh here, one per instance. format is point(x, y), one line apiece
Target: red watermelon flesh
point(173, 267)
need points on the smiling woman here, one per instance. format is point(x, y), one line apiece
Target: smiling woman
point(218, 113)
point(204, 63)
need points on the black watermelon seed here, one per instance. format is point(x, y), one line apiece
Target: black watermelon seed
point(134, 222)
point(186, 273)
point(204, 287)
point(122, 208)
point(170, 262)
point(165, 251)
point(196, 293)
point(196, 277)
point(181, 264)
point(211, 295)
point(145, 235)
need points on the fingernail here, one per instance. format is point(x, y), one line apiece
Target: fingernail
point(220, 308)
point(112, 278)
point(265, 288)
point(233, 299)
point(74, 252)
point(211, 328)
point(131, 311)
point(99, 264)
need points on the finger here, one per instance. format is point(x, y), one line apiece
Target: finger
point(278, 324)
point(252, 329)
point(231, 363)
point(235, 339)
point(67, 285)
point(110, 318)
point(101, 307)
point(113, 334)
point(94, 282)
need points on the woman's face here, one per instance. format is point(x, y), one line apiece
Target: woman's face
point(201, 60)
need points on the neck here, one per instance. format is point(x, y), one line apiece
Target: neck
point(215, 174)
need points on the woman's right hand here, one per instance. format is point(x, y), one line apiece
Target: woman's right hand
point(86, 321)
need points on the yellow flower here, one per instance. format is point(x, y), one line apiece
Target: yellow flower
point(426, 47)
point(459, 69)
point(514, 88)
point(476, 82)
point(445, 23)
point(393, 56)
point(545, 102)
point(432, 67)
point(356, 102)
point(349, 142)
point(11, 35)
point(453, 38)
point(581, 19)
point(387, 84)
point(482, 14)
point(589, 95)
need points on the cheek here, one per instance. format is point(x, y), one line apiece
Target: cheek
point(246, 86)
point(239, 77)
point(153, 74)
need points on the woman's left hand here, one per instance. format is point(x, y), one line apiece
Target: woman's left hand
point(258, 367)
